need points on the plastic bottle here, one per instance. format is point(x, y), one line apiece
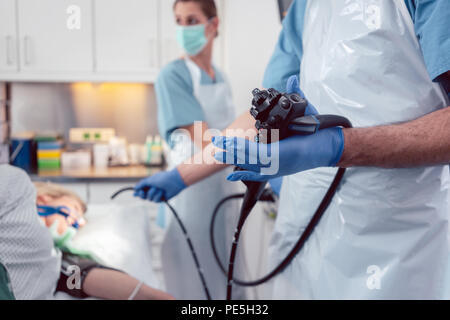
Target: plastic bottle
point(156, 151)
point(148, 146)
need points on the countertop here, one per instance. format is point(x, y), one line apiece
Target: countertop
point(110, 174)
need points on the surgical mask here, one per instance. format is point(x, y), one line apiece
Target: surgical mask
point(65, 242)
point(62, 240)
point(192, 39)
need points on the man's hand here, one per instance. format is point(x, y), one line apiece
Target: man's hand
point(293, 86)
point(263, 162)
point(292, 155)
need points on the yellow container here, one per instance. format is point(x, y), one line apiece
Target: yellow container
point(49, 154)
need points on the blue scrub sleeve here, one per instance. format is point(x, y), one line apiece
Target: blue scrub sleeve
point(177, 105)
point(432, 24)
point(285, 61)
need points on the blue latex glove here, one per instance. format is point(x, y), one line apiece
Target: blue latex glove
point(275, 185)
point(293, 86)
point(160, 187)
point(295, 154)
point(289, 156)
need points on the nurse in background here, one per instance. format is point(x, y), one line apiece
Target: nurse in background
point(192, 90)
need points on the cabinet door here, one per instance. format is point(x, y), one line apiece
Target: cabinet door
point(126, 33)
point(168, 43)
point(8, 36)
point(55, 35)
point(80, 189)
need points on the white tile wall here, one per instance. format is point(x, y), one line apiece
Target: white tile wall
point(2, 91)
point(130, 109)
point(2, 104)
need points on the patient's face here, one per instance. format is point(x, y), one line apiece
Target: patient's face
point(76, 213)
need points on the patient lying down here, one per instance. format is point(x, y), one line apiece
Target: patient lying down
point(63, 213)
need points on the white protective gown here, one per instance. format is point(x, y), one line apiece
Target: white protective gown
point(386, 233)
point(196, 204)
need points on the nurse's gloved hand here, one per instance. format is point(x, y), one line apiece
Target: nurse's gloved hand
point(263, 162)
point(160, 187)
point(293, 86)
point(276, 184)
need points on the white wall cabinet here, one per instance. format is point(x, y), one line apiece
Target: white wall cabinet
point(9, 61)
point(126, 34)
point(112, 41)
point(52, 38)
point(169, 49)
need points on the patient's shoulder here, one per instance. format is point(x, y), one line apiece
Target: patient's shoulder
point(15, 186)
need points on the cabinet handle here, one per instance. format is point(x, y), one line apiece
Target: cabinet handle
point(153, 53)
point(26, 49)
point(9, 59)
point(167, 51)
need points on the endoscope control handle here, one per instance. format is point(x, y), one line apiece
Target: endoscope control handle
point(304, 125)
point(311, 124)
point(254, 188)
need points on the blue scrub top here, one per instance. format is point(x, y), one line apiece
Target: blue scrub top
point(177, 105)
point(431, 23)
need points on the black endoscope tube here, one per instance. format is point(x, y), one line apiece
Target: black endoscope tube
point(249, 202)
point(211, 230)
point(308, 230)
point(186, 235)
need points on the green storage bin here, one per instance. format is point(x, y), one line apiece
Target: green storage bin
point(49, 164)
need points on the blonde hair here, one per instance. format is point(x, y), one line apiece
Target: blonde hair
point(57, 191)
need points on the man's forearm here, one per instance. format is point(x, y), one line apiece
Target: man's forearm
point(422, 142)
